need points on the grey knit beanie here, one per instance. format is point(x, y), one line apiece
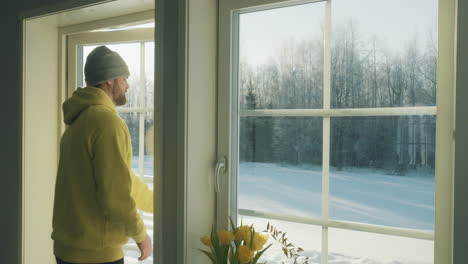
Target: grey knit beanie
point(103, 64)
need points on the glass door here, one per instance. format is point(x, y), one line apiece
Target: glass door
point(327, 114)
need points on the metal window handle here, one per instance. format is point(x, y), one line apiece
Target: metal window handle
point(220, 165)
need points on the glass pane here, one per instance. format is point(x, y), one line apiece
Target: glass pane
point(307, 237)
point(149, 74)
point(281, 57)
point(346, 246)
point(280, 165)
point(382, 170)
point(130, 52)
point(132, 119)
point(133, 124)
point(149, 144)
point(131, 251)
point(384, 55)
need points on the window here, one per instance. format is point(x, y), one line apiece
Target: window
point(136, 47)
point(332, 125)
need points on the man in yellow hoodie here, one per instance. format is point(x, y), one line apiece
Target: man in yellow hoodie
point(96, 191)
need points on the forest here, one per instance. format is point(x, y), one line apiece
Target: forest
point(365, 73)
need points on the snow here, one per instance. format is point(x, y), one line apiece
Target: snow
point(345, 246)
point(360, 195)
point(357, 195)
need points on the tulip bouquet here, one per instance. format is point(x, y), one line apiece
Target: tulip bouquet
point(242, 245)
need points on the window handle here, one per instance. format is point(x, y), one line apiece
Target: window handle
point(220, 165)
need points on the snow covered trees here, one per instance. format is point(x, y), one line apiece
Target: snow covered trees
point(365, 74)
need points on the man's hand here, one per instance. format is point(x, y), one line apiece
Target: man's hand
point(145, 248)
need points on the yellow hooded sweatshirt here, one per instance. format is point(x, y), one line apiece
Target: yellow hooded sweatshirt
point(96, 192)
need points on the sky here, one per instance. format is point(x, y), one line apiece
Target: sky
point(394, 22)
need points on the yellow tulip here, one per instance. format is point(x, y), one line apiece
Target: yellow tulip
point(206, 241)
point(259, 241)
point(245, 254)
point(243, 233)
point(225, 237)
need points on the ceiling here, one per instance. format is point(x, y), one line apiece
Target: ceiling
point(98, 11)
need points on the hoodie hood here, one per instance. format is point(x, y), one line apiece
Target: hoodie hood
point(83, 98)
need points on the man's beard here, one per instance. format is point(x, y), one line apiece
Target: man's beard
point(119, 99)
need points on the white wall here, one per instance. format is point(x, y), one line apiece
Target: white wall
point(40, 145)
point(201, 118)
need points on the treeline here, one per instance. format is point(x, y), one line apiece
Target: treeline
point(364, 74)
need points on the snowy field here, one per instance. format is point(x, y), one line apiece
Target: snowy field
point(359, 195)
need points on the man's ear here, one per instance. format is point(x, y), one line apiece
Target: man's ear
point(110, 83)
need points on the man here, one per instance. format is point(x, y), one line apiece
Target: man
point(96, 192)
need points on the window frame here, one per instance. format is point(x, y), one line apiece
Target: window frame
point(228, 115)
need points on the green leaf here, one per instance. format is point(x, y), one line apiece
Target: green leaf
point(232, 247)
point(209, 254)
point(232, 224)
point(225, 255)
point(252, 236)
point(259, 254)
point(216, 247)
point(235, 259)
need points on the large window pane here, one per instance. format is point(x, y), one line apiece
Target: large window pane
point(307, 237)
point(130, 53)
point(384, 53)
point(382, 170)
point(349, 247)
point(281, 57)
point(280, 165)
point(149, 74)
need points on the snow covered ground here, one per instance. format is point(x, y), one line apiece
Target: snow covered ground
point(360, 195)
point(346, 247)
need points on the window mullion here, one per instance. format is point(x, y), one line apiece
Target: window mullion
point(339, 112)
point(141, 98)
point(325, 186)
point(326, 131)
point(344, 225)
point(235, 125)
point(135, 109)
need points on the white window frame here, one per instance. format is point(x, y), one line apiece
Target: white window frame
point(229, 11)
point(141, 36)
